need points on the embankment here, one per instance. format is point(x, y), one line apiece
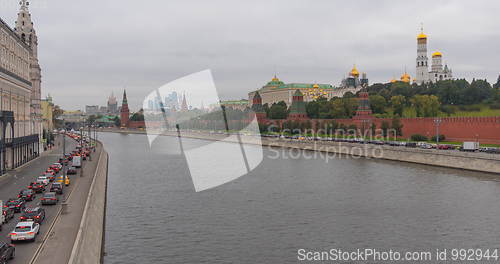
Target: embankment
point(89, 243)
point(474, 161)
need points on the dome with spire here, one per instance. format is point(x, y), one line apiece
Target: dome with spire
point(275, 81)
point(354, 72)
point(405, 78)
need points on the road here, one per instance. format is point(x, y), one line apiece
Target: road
point(11, 184)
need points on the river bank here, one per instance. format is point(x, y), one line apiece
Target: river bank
point(473, 161)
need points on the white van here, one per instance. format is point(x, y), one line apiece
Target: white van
point(77, 161)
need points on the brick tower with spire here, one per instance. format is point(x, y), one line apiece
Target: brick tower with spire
point(125, 112)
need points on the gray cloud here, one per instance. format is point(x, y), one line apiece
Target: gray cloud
point(90, 48)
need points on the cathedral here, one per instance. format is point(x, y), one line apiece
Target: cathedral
point(437, 72)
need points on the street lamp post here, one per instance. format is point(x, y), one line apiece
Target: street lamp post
point(437, 121)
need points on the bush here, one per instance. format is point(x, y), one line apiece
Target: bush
point(418, 137)
point(441, 138)
point(469, 108)
point(495, 106)
point(448, 109)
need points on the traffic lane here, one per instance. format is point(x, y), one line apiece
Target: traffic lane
point(25, 251)
point(10, 187)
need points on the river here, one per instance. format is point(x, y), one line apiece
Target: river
point(154, 214)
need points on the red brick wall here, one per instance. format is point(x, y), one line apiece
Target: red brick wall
point(484, 129)
point(136, 124)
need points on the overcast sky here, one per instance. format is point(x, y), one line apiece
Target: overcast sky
point(87, 49)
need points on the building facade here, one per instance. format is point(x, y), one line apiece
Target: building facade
point(276, 90)
point(47, 114)
point(438, 72)
point(112, 104)
point(20, 84)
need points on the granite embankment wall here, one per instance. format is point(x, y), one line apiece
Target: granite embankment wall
point(474, 161)
point(89, 243)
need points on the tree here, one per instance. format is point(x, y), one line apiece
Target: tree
point(378, 104)
point(278, 111)
point(497, 85)
point(138, 116)
point(312, 109)
point(373, 129)
point(398, 103)
point(478, 91)
point(426, 105)
point(385, 128)
point(91, 119)
point(117, 121)
point(397, 126)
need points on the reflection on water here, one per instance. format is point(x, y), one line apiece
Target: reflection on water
point(155, 216)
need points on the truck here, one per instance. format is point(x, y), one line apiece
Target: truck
point(77, 161)
point(470, 146)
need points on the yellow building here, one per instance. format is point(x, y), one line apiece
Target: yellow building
point(47, 110)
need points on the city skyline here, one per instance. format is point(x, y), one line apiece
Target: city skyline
point(319, 45)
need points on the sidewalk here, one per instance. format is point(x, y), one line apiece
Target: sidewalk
point(59, 243)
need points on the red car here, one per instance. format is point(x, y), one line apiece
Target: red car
point(37, 187)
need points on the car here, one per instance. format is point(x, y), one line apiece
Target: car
point(25, 231)
point(49, 176)
point(27, 195)
point(57, 187)
point(53, 168)
point(15, 204)
point(71, 170)
point(57, 166)
point(7, 252)
point(36, 214)
point(49, 198)
point(37, 187)
point(43, 179)
point(8, 214)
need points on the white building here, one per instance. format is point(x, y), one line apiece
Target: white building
point(437, 72)
point(20, 100)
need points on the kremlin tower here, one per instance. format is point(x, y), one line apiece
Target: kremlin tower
point(125, 112)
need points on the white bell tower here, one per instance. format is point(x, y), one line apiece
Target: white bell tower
point(422, 73)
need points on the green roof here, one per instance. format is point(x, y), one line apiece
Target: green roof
point(306, 85)
point(235, 102)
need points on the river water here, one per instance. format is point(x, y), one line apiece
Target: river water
point(155, 216)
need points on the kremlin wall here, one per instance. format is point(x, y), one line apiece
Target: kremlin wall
point(486, 130)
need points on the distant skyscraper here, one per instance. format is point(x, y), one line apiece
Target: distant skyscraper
point(112, 104)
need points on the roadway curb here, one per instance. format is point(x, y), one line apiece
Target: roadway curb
point(76, 245)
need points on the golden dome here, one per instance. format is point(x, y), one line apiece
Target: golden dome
point(354, 72)
point(316, 86)
point(422, 36)
point(437, 54)
point(393, 80)
point(275, 79)
point(405, 78)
